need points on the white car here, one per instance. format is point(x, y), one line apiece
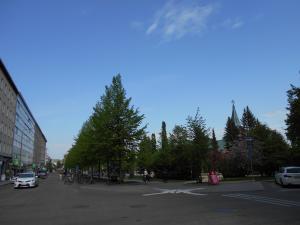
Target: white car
point(26, 180)
point(288, 176)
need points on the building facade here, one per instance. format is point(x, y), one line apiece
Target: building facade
point(8, 98)
point(39, 157)
point(22, 143)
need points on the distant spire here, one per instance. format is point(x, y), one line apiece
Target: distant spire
point(234, 116)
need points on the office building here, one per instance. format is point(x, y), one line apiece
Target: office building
point(22, 143)
point(8, 99)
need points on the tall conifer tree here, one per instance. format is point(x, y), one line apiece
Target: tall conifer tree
point(153, 142)
point(231, 133)
point(163, 136)
point(214, 143)
point(248, 120)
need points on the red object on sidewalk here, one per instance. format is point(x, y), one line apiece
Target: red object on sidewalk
point(213, 178)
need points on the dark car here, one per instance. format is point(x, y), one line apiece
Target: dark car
point(42, 174)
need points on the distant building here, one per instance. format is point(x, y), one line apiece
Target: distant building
point(39, 157)
point(22, 143)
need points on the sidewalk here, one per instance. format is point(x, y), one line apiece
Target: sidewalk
point(2, 183)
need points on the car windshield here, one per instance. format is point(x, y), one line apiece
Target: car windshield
point(26, 175)
point(293, 170)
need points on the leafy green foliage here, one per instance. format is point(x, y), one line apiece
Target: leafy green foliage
point(231, 133)
point(199, 136)
point(153, 143)
point(248, 120)
point(114, 139)
point(293, 117)
point(112, 133)
point(257, 148)
point(214, 151)
point(164, 137)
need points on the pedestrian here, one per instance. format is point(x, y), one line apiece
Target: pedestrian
point(146, 176)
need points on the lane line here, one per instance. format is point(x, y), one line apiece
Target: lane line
point(263, 199)
point(260, 200)
point(272, 199)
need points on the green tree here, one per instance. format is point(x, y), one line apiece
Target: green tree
point(293, 117)
point(111, 135)
point(162, 158)
point(214, 152)
point(145, 154)
point(180, 150)
point(120, 124)
point(231, 133)
point(199, 136)
point(248, 120)
point(153, 142)
point(164, 137)
point(214, 143)
point(272, 149)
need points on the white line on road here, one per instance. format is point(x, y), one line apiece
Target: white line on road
point(176, 191)
point(262, 199)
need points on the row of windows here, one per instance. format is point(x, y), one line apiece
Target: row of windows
point(25, 156)
point(24, 139)
point(23, 146)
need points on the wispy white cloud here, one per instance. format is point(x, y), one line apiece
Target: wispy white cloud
point(178, 19)
point(233, 23)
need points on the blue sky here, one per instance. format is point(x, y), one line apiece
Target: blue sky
point(174, 56)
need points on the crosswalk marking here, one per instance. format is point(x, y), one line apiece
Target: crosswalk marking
point(262, 199)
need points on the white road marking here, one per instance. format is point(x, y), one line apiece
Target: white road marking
point(176, 191)
point(262, 199)
point(289, 190)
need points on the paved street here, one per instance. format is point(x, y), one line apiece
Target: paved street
point(156, 203)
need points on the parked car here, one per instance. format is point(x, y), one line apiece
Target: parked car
point(42, 174)
point(288, 176)
point(26, 180)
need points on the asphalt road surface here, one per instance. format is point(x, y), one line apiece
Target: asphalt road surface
point(55, 203)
